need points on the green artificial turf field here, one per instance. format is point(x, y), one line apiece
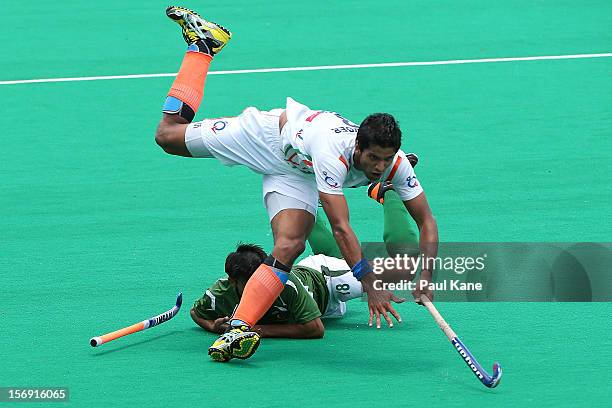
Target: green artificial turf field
point(101, 229)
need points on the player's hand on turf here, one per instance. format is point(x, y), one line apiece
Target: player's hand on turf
point(379, 302)
point(221, 324)
point(422, 287)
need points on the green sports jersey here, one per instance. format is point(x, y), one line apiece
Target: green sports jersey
point(303, 299)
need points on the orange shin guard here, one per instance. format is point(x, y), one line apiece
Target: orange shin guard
point(189, 83)
point(260, 292)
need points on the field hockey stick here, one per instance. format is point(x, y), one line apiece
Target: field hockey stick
point(145, 324)
point(479, 372)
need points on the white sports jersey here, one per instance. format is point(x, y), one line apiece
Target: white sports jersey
point(322, 143)
point(330, 263)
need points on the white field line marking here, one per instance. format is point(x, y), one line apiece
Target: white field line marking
point(316, 68)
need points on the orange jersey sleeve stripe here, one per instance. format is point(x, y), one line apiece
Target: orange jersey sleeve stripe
point(343, 160)
point(394, 169)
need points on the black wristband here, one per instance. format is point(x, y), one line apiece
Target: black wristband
point(273, 262)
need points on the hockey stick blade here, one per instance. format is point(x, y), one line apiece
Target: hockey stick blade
point(479, 372)
point(484, 377)
point(145, 324)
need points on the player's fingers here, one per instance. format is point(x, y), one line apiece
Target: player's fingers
point(377, 319)
point(386, 316)
point(396, 299)
point(395, 314)
point(371, 316)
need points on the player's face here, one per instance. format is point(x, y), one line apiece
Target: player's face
point(374, 160)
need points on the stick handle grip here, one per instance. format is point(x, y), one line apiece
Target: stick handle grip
point(96, 341)
point(445, 327)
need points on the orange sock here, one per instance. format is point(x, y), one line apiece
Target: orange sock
point(188, 87)
point(259, 294)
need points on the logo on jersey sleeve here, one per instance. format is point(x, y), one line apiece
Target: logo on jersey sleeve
point(218, 126)
point(330, 180)
point(412, 182)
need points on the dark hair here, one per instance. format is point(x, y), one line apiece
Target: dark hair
point(243, 262)
point(379, 129)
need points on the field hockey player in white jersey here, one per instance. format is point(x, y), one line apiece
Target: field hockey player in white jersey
point(304, 156)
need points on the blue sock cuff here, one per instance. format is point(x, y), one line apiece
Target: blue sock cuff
point(281, 270)
point(172, 105)
point(237, 323)
point(282, 275)
point(361, 269)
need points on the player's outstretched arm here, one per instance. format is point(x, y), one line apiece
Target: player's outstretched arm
point(313, 329)
point(214, 326)
point(420, 211)
point(379, 301)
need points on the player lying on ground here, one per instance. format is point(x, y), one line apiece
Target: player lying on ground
point(318, 285)
point(304, 155)
point(296, 313)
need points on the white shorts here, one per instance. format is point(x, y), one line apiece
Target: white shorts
point(252, 139)
point(276, 202)
point(342, 286)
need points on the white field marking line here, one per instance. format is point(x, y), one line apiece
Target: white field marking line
point(316, 68)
